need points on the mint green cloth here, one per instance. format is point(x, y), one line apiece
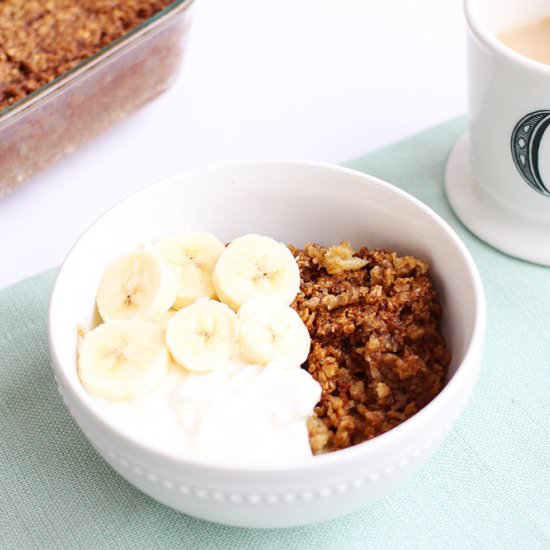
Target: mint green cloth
point(487, 487)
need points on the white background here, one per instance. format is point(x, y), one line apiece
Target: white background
point(325, 80)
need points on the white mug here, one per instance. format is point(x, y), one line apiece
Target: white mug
point(498, 176)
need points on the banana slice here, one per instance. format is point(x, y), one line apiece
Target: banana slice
point(192, 257)
point(271, 332)
point(136, 286)
point(202, 336)
point(123, 360)
point(252, 266)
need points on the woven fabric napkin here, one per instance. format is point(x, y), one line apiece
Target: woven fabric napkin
point(487, 487)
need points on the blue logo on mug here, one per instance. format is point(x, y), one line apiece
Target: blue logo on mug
point(526, 140)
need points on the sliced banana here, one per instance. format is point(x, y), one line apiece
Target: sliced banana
point(272, 332)
point(136, 286)
point(192, 257)
point(253, 266)
point(123, 360)
point(202, 336)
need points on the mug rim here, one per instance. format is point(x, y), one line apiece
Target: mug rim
point(477, 27)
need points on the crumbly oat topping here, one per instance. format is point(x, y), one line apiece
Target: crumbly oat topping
point(336, 259)
point(376, 349)
point(41, 39)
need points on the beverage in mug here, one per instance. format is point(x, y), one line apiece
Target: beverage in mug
point(530, 39)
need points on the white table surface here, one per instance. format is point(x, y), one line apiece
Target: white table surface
point(293, 79)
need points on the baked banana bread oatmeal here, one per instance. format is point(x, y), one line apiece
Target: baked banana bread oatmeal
point(376, 346)
point(41, 39)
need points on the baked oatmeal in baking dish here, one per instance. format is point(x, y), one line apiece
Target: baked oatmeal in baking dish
point(41, 39)
point(70, 69)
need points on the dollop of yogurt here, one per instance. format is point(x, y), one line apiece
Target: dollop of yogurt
point(240, 414)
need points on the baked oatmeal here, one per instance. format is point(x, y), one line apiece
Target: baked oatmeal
point(41, 39)
point(376, 349)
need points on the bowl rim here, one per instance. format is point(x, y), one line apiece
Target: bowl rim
point(311, 463)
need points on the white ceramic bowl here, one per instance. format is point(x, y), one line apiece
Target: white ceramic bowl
point(294, 202)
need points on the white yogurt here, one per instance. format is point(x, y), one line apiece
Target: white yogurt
point(240, 414)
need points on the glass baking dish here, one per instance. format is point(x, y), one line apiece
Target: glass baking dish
point(64, 114)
